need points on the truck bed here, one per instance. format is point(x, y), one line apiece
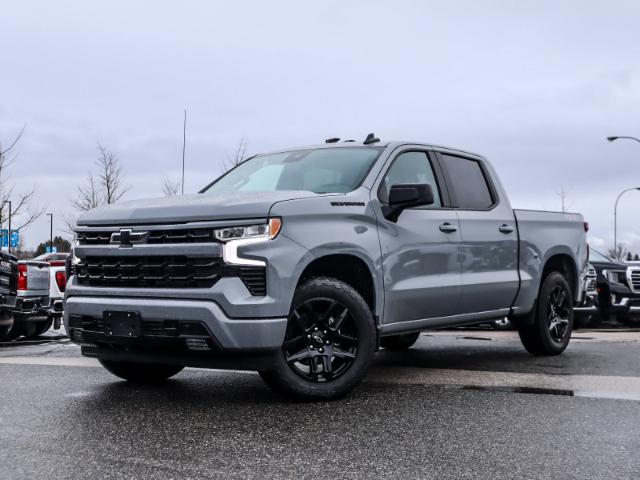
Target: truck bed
point(539, 234)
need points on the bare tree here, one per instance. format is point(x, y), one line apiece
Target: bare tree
point(104, 187)
point(110, 176)
point(88, 195)
point(170, 188)
point(619, 252)
point(563, 198)
point(239, 155)
point(23, 212)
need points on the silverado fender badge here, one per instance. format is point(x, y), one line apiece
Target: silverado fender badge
point(347, 204)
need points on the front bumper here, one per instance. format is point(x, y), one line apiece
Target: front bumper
point(169, 320)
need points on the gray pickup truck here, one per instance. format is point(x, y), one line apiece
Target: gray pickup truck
point(301, 263)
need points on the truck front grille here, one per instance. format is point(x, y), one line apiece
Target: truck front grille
point(148, 271)
point(634, 276)
point(165, 272)
point(155, 237)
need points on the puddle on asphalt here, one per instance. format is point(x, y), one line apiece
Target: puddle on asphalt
point(555, 391)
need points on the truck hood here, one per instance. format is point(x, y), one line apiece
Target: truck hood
point(190, 208)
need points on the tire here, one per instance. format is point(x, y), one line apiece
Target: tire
point(399, 342)
point(5, 330)
point(552, 320)
point(33, 329)
point(502, 324)
point(141, 372)
point(329, 344)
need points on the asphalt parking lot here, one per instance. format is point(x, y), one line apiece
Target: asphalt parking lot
point(460, 404)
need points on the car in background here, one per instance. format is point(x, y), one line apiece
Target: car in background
point(8, 287)
point(31, 316)
point(585, 313)
point(618, 287)
point(57, 282)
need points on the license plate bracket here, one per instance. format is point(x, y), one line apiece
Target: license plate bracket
point(122, 324)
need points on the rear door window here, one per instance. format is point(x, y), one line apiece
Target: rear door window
point(466, 179)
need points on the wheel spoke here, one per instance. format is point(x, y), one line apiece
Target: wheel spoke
point(327, 367)
point(346, 340)
point(338, 352)
point(340, 319)
point(560, 299)
point(295, 343)
point(301, 355)
point(313, 368)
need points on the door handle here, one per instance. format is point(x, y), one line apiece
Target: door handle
point(505, 228)
point(448, 228)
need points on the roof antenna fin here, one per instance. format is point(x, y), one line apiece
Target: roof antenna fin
point(332, 140)
point(371, 138)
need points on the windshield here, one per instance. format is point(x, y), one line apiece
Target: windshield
point(323, 170)
point(595, 256)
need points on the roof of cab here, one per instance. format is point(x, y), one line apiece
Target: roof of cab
point(386, 144)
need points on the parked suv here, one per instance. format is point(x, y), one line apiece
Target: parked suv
point(618, 287)
point(302, 263)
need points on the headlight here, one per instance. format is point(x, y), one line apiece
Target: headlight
point(615, 276)
point(266, 231)
point(235, 237)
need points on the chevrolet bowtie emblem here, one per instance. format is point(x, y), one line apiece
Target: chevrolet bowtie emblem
point(127, 238)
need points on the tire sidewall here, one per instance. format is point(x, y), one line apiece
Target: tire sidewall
point(292, 383)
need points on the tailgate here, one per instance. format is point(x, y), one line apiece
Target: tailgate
point(37, 277)
point(8, 274)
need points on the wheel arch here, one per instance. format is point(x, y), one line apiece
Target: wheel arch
point(564, 264)
point(349, 268)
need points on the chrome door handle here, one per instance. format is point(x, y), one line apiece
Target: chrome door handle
point(505, 228)
point(448, 228)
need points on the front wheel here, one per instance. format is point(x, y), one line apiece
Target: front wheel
point(141, 372)
point(329, 343)
point(552, 320)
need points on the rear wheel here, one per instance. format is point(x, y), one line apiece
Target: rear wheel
point(6, 324)
point(141, 372)
point(329, 343)
point(399, 342)
point(35, 328)
point(553, 318)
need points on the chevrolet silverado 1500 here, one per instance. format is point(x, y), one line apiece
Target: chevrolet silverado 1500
point(302, 263)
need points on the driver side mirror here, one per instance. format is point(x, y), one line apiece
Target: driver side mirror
point(407, 195)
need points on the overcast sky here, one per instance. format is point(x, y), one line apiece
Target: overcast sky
point(536, 86)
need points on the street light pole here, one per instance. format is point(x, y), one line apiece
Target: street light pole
point(9, 231)
point(51, 233)
point(615, 217)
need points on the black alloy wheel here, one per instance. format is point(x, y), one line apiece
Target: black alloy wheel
point(321, 343)
point(558, 311)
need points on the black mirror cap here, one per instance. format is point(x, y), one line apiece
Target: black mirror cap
point(407, 195)
point(410, 195)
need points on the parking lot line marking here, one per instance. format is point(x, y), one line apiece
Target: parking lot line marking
point(55, 361)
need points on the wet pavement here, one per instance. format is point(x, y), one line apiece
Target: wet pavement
point(460, 404)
